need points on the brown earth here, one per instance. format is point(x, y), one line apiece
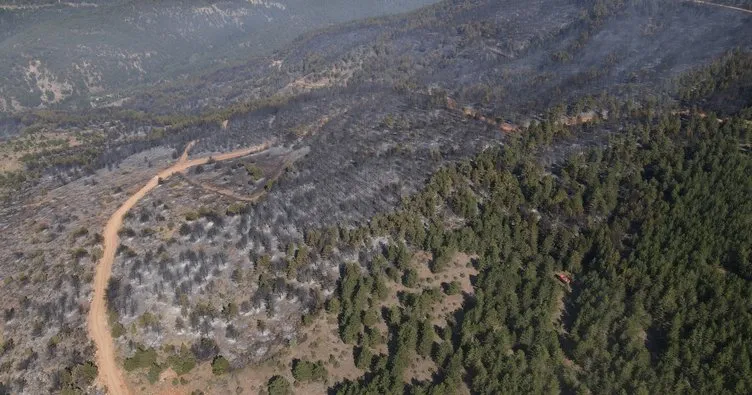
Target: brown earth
point(110, 375)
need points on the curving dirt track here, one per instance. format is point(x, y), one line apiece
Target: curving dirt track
point(110, 376)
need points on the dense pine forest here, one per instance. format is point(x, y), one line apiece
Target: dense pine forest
point(654, 229)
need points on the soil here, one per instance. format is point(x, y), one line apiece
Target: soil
point(110, 375)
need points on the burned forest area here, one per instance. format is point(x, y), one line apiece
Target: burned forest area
point(376, 197)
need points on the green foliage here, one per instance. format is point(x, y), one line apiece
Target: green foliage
point(364, 358)
point(441, 259)
point(453, 288)
point(236, 209)
point(254, 171)
point(12, 180)
point(116, 328)
point(230, 310)
point(153, 374)
point(333, 306)
point(76, 379)
point(410, 278)
point(370, 317)
point(652, 228)
point(143, 358)
point(220, 365)
point(731, 72)
point(182, 362)
point(426, 338)
point(307, 319)
point(147, 319)
point(80, 232)
point(353, 295)
point(309, 371)
point(279, 385)
point(380, 289)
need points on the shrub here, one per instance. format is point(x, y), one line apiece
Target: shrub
point(364, 358)
point(278, 385)
point(254, 171)
point(143, 358)
point(75, 379)
point(220, 365)
point(410, 278)
point(235, 209)
point(154, 371)
point(80, 232)
point(370, 317)
point(307, 371)
point(117, 329)
point(84, 374)
point(333, 306)
point(453, 288)
point(182, 362)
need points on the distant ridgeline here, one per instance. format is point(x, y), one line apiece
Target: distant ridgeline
point(746, 4)
point(77, 54)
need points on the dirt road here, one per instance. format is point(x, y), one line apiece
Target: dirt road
point(110, 375)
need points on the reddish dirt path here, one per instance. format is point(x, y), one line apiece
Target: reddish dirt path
point(110, 376)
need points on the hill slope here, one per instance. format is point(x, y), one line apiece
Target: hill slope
point(73, 55)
